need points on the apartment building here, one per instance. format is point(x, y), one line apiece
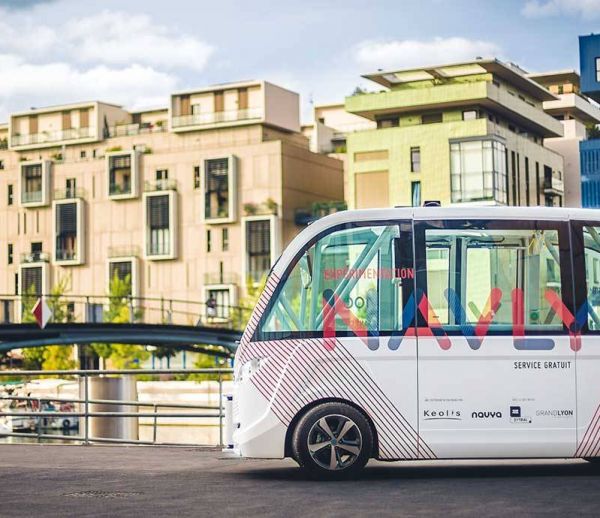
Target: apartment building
point(458, 133)
point(192, 201)
point(589, 65)
point(329, 129)
point(577, 114)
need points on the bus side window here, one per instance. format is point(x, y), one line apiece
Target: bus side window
point(465, 266)
point(350, 271)
point(591, 239)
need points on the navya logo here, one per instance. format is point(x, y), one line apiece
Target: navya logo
point(441, 415)
point(517, 417)
point(486, 414)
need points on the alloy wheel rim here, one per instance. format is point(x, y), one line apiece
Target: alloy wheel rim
point(334, 442)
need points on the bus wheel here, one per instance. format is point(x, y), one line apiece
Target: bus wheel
point(333, 440)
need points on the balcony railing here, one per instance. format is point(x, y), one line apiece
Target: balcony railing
point(221, 278)
point(200, 119)
point(119, 189)
point(32, 196)
point(50, 136)
point(69, 194)
point(126, 130)
point(160, 185)
point(35, 257)
point(554, 185)
point(115, 252)
point(66, 254)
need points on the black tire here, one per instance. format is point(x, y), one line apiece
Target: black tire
point(333, 441)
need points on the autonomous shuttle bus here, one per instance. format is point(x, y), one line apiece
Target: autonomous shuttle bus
point(426, 333)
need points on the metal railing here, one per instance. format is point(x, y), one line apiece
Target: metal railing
point(199, 119)
point(127, 130)
point(50, 136)
point(214, 412)
point(142, 310)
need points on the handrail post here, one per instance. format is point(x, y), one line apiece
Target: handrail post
point(220, 409)
point(87, 408)
point(131, 316)
point(155, 423)
point(39, 421)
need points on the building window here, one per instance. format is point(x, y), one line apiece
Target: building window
point(598, 70)
point(431, 118)
point(161, 225)
point(415, 159)
point(196, 177)
point(1, 164)
point(538, 185)
point(208, 241)
point(478, 171)
point(82, 153)
point(527, 187)
point(469, 115)
point(220, 302)
point(67, 231)
point(123, 270)
point(219, 189)
point(71, 188)
point(32, 281)
point(258, 248)
point(10, 195)
point(10, 258)
point(32, 184)
point(122, 175)
point(162, 174)
point(390, 122)
point(225, 240)
point(415, 194)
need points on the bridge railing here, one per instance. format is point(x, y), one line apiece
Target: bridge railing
point(148, 310)
point(36, 415)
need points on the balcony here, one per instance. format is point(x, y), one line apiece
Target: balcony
point(127, 130)
point(32, 197)
point(453, 96)
point(47, 137)
point(554, 186)
point(160, 185)
point(211, 118)
point(35, 257)
point(69, 194)
point(117, 252)
point(214, 279)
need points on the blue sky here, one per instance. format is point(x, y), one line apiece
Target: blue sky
point(135, 52)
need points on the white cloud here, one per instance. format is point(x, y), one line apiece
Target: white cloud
point(414, 53)
point(122, 38)
point(113, 56)
point(28, 84)
point(542, 8)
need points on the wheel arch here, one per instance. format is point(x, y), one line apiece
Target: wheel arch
point(294, 422)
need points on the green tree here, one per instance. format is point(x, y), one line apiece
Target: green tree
point(122, 356)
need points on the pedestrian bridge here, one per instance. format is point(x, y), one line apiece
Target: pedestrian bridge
point(191, 338)
point(181, 324)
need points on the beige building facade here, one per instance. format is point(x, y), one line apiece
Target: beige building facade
point(192, 201)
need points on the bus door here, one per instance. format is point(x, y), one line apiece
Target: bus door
point(496, 359)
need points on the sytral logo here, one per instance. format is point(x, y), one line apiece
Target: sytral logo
point(517, 417)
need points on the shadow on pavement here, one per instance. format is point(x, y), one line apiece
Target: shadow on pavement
point(397, 470)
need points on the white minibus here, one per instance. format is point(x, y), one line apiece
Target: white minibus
point(426, 333)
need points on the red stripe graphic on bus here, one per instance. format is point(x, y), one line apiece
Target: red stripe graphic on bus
point(590, 442)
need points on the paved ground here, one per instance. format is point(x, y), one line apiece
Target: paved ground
point(41, 480)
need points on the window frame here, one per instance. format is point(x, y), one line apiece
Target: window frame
point(134, 159)
point(79, 257)
point(566, 266)
point(404, 226)
point(173, 226)
point(134, 261)
point(232, 188)
point(579, 272)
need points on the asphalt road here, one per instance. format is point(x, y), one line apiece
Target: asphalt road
point(47, 480)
